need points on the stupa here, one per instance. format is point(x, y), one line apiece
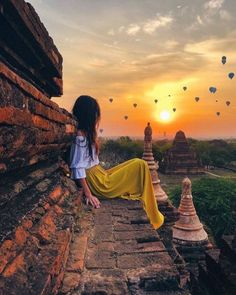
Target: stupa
point(180, 159)
point(189, 236)
point(153, 165)
point(188, 228)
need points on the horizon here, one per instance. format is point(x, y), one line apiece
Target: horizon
point(167, 138)
point(137, 52)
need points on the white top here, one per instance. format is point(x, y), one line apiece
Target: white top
point(80, 158)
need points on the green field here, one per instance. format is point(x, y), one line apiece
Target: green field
point(168, 182)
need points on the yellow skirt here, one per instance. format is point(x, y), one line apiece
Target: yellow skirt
point(130, 180)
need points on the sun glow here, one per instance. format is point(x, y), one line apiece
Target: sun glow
point(165, 116)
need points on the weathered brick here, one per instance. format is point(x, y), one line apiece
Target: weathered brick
point(58, 282)
point(77, 254)
point(70, 282)
point(17, 264)
point(47, 206)
point(57, 209)
point(70, 128)
point(7, 252)
point(21, 236)
point(42, 123)
point(148, 235)
point(52, 115)
point(27, 223)
point(75, 265)
point(56, 193)
point(62, 240)
point(46, 228)
point(131, 227)
point(13, 116)
point(102, 233)
point(102, 218)
point(100, 259)
point(34, 129)
point(131, 246)
point(78, 246)
point(137, 260)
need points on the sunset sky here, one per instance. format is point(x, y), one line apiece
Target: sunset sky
point(136, 51)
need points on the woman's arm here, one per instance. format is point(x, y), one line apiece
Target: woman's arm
point(89, 197)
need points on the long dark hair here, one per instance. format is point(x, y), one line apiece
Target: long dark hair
point(87, 111)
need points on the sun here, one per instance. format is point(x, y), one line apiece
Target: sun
point(165, 116)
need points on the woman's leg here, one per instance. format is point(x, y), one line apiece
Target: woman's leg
point(129, 180)
point(121, 165)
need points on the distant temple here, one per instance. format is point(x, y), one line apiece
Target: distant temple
point(179, 159)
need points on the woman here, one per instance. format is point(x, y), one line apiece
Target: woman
point(129, 180)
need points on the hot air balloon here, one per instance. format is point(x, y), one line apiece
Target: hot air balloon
point(197, 98)
point(227, 102)
point(111, 99)
point(212, 89)
point(184, 88)
point(217, 113)
point(125, 117)
point(156, 100)
point(223, 60)
point(174, 109)
point(135, 105)
point(101, 130)
point(216, 100)
point(231, 75)
point(169, 95)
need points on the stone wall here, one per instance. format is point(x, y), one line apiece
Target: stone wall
point(39, 204)
point(217, 273)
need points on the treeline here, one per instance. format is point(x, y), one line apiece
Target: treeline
point(113, 152)
point(217, 153)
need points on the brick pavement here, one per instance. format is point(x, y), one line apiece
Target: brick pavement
point(116, 251)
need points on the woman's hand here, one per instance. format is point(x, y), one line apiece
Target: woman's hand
point(88, 195)
point(93, 201)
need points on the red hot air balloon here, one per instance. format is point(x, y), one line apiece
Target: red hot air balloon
point(217, 113)
point(111, 99)
point(125, 117)
point(135, 105)
point(227, 102)
point(197, 99)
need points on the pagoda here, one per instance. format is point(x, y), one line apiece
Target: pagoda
point(180, 159)
point(189, 235)
point(152, 164)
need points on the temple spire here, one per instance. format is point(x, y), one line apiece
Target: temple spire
point(153, 166)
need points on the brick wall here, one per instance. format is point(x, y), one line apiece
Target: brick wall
point(39, 204)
